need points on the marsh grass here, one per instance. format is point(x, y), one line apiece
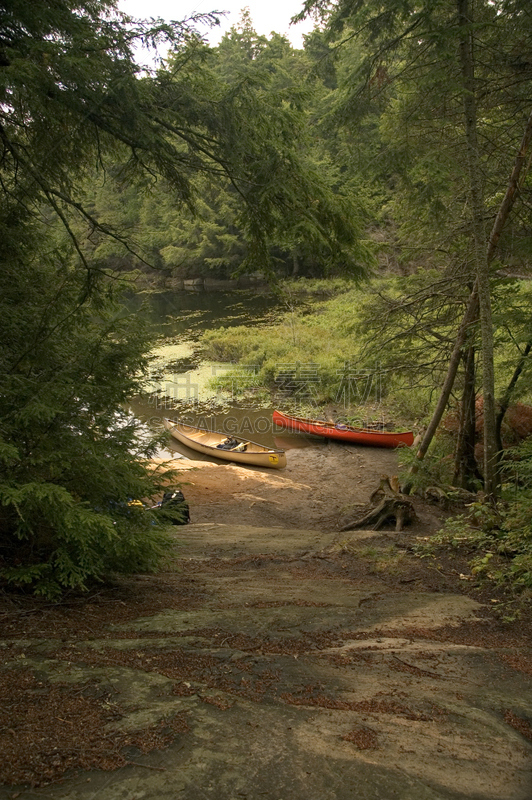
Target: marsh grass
point(313, 358)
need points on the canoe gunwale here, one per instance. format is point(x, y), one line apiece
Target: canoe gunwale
point(346, 433)
point(263, 456)
point(263, 448)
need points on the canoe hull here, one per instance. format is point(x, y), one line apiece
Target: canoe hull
point(345, 433)
point(205, 441)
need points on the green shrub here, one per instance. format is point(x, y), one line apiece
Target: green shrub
point(498, 538)
point(70, 457)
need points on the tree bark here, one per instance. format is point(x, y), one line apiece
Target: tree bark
point(479, 245)
point(465, 465)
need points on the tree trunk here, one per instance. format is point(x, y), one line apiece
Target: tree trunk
point(465, 465)
point(479, 242)
point(469, 318)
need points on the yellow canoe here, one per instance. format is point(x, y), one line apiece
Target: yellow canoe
point(206, 442)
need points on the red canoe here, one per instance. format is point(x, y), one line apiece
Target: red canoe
point(345, 433)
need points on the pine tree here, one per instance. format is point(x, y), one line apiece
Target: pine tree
point(450, 100)
point(70, 458)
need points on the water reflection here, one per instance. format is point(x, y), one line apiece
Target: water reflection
point(192, 313)
point(252, 424)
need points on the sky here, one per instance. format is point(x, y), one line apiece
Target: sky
point(267, 15)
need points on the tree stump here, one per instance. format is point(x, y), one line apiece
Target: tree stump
point(388, 505)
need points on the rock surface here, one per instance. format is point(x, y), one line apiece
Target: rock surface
point(303, 663)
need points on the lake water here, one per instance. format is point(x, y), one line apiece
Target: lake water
point(179, 383)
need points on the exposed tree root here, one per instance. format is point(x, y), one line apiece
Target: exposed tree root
point(389, 505)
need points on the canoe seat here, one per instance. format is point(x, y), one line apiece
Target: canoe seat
point(240, 448)
point(233, 445)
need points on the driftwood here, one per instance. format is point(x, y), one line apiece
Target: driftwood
point(388, 504)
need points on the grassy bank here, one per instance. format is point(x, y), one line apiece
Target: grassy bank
point(316, 357)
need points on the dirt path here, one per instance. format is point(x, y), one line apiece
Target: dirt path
point(319, 486)
point(280, 659)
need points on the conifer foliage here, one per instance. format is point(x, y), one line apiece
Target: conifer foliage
point(75, 107)
point(70, 459)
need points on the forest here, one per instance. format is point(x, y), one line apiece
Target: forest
point(386, 162)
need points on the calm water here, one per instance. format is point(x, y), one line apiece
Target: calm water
point(178, 384)
point(189, 314)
